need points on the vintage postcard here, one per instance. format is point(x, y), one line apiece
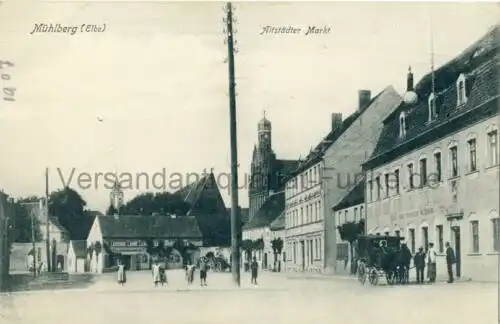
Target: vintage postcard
point(281, 162)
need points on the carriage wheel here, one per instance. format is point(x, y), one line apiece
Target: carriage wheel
point(373, 278)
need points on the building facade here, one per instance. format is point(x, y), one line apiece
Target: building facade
point(434, 175)
point(126, 238)
point(327, 174)
point(350, 209)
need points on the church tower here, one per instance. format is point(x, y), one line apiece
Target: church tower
point(116, 196)
point(264, 132)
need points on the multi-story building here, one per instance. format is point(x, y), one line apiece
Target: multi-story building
point(434, 174)
point(327, 174)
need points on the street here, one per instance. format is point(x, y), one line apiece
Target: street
point(276, 300)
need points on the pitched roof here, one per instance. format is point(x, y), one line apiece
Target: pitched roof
point(268, 212)
point(285, 169)
point(354, 197)
point(192, 191)
point(318, 152)
point(135, 226)
point(80, 248)
point(244, 214)
point(279, 223)
point(479, 63)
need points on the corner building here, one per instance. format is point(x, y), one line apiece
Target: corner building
point(434, 176)
point(325, 176)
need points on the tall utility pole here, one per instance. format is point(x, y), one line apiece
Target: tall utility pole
point(235, 219)
point(47, 225)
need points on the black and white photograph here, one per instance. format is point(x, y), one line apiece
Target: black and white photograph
point(241, 162)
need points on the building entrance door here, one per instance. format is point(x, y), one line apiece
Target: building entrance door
point(456, 238)
point(264, 265)
point(303, 253)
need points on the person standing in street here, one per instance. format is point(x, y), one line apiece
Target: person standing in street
point(122, 276)
point(419, 261)
point(156, 273)
point(163, 274)
point(450, 261)
point(255, 268)
point(431, 263)
point(203, 272)
point(190, 273)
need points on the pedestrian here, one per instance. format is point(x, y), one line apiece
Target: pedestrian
point(163, 274)
point(255, 268)
point(122, 276)
point(450, 261)
point(405, 259)
point(431, 263)
point(203, 272)
point(190, 273)
point(419, 261)
point(156, 273)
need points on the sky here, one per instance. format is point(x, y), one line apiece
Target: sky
point(149, 95)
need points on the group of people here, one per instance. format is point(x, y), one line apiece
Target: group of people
point(421, 260)
point(160, 275)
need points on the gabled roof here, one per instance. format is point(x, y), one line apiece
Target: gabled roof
point(192, 191)
point(480, 64)
point(354, 197)
point(137, 227)
point(244, 214)
point(279, 223)
point(316, 155)
point(80, 248)
point(55, 222)
point(268, 212)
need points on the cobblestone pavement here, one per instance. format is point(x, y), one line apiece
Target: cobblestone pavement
point(277, 299)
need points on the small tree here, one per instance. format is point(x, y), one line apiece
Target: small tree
point(277, 246)
point(247, 246)
point(349, 232)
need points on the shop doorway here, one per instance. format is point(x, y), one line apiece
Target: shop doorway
point(456, 241)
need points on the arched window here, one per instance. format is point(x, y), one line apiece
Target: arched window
point(402, 125)
point(461, 93)
point(432, 107)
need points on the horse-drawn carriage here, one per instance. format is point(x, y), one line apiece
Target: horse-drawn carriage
point(380, 256)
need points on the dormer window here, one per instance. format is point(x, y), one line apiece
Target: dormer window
point(432, 107)
point(402, 125)
point(461, 94)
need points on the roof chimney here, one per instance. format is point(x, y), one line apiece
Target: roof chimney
point(364, 97)
point(336, 121)
point(409, 80)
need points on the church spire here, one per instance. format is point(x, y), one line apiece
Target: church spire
point(116, 196)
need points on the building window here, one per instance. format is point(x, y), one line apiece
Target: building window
point(411, 233)
point(496, 234)
point(396, 178)
point(345, 217)
point(386, 180)
point(440, 238)
point(432, 107)
point(377, 181)
point(361, 212)
point(402, 125)
point(461, 95)
point(301, 220)
point(307, 213)
point(475, 236)
point(355, 214)
point(437, 163)
point(454, 161)
point(320, 249)
point(398, 233)
point(493, 147)
point(423, 172)
point(425, 237)
point(472, 155)
point(370, 190)
point(410, 176)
